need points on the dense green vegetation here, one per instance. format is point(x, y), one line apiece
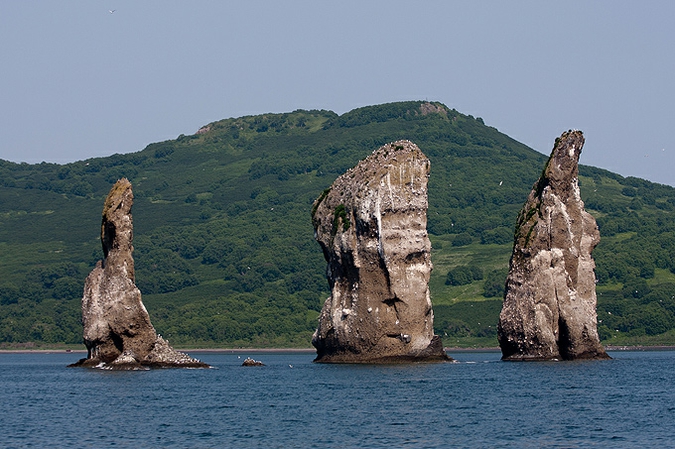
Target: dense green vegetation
point(224, 245)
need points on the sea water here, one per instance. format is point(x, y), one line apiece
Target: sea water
point(479, 401)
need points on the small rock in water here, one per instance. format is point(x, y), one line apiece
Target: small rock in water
point(250, 362)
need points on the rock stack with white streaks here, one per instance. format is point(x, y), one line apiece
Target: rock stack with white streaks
point(549, 309)
point(371, 225)
point(117, 329)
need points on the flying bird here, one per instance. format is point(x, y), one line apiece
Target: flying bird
point(111, 11)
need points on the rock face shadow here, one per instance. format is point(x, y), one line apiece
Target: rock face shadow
point(549, 309)
point(118, 333)
point(371, 225)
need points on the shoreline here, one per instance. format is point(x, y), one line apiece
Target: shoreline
point(312, 350)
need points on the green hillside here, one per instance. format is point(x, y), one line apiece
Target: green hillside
point(225, 254)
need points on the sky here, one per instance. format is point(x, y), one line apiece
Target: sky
point(83, 79)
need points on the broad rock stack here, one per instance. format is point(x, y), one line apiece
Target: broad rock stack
point(117, 329)
point(371, 225)
point(549, 310)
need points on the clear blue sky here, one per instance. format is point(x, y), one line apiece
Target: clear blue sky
point(77, 81)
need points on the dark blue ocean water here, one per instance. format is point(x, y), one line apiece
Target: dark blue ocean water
point(478, 402)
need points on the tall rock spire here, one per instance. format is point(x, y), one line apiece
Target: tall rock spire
point(549, 309)
point(371, 225)
point(117, 329)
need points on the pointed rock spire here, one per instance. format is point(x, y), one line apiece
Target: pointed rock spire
point(549, 309)
point(118, 333)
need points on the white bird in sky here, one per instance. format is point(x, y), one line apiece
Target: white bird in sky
point(111, 11)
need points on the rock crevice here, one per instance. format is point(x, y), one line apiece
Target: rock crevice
point(549, 309)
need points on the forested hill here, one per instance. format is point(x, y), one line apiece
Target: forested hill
point(225, 254)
